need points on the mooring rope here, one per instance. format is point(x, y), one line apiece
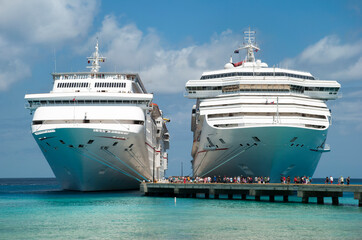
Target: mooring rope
point(104, 162)
point(203, 174)
point(112, 154)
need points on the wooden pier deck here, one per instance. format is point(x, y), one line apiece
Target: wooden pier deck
point(304, 191)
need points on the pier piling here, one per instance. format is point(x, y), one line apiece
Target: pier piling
point(305, 199)
point(303, 191)
point(335, 200)
point(358, 196)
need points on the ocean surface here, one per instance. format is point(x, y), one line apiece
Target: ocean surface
point(39, 209)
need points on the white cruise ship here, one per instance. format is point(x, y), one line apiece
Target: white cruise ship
point(100, 130)
point(254, 120)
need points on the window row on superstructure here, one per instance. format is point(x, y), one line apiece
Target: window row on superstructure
point(62, 76)
point(277, 74)
point(233, 125)
point(94, 121)
point(110, 84)
point(262, 88)
point(73, 85)
point(86, 85)
point(270, 101)
point(287, 114)
point(72, 102)
point(237, 119)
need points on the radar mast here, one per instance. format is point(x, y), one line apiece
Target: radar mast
point(96, 58)
point(250, 45)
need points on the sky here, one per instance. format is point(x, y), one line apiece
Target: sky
point(169, 43)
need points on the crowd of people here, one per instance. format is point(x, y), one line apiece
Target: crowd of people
point(329, 180)
point(296, 180)
point(238, 179)
point(219, 179)
point(243, 179)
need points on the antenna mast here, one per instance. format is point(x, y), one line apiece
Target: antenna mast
point(250, 45)
point(96, 58)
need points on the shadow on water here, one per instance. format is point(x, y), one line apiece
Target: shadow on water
point(347, 200)
point(51, 187)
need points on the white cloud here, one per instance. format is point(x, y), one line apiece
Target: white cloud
point(28, 26)
point(329, 50)
point(329, 58)
point(13, 71)
point(352, 72)
point(44, 21)
point(12, 67)
point(161, 69)
point(348, 113)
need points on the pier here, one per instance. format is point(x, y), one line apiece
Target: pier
point(303, 191)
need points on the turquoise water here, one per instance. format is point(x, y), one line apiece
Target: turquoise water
point(39, 210)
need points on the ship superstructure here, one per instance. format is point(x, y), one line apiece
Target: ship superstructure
point(100, 130)
point(253, 120)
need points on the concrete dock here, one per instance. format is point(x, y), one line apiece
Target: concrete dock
point(304, 191)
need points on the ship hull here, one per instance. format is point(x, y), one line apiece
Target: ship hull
point(272, 151)
point(94, 159)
